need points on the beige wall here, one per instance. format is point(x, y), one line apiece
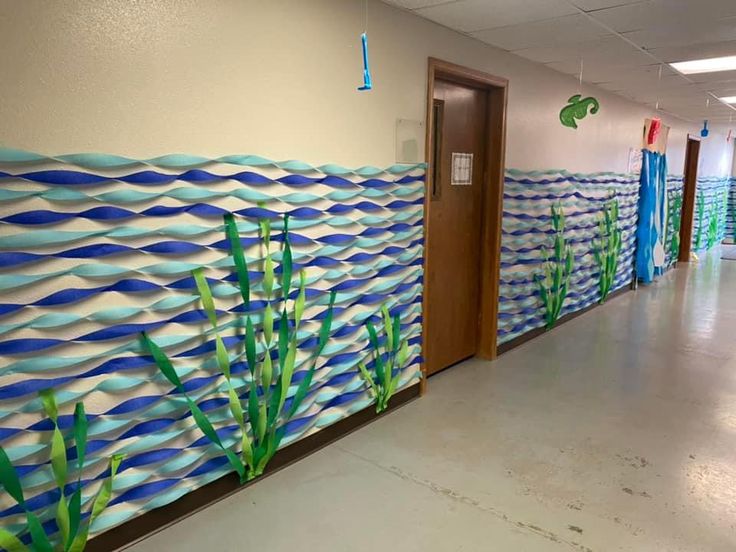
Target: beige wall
point(275, 78)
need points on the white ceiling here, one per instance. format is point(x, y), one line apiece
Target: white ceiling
point(622, 44)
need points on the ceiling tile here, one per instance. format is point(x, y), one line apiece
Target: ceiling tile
point(477, 15)
point(606, 50)
point(415, 4)
point(695, 51)
point(664, 14)
point(555, 33)
point(684, 33)
point(550, 32)
point(592, 5)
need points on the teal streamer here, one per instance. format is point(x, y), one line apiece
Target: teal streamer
point(47, 363)
point(197, 194)
point(46, 238)
point(183, 161)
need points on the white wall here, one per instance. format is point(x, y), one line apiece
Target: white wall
point(275, 78)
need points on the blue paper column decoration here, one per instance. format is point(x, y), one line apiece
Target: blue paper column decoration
point(367, 81)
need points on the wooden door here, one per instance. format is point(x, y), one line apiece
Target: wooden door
point(690, 185)
point(454, 224)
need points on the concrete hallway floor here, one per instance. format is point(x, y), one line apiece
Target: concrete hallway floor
point(616, 431)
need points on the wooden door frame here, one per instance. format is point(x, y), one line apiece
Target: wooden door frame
point(689, 191)
point(493, 182)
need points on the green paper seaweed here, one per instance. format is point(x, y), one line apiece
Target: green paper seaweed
point(700, 207)
point(675, 216)
point(713, 224)
point(577, 108)
point(607, 248)
point(553, 284)
point(388, 363)
point(272, 371)
point(73, 533)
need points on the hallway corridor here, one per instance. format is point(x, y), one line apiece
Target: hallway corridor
point(616, 431)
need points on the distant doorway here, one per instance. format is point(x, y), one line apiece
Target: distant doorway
point(463, 208)
point(689, 191)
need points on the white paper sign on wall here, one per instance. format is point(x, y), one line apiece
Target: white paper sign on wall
point(462, 169)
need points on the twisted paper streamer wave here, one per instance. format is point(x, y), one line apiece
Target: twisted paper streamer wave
point(527, 230)
point(34, 345)
point(110, 213)
point(178, 161)
point(371, 265)
point(196, 194)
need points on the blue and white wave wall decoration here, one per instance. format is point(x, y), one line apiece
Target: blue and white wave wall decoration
point(527, 229)
point(97, 248)
point(731, 213)
point(715, 190)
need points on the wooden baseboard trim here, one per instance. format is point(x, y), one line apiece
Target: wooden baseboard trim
point(531, 334)
point(145, 525)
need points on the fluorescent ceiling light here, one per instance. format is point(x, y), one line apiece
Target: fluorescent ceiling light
point(710, 65)
point(728, 99)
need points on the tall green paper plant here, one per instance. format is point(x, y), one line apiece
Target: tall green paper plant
point(388, 363)
point(701, 220)
point(72, 532)
point(553, 285)
point(713, 224)
point(261, 433)
point(607, 248)
point(675, 216)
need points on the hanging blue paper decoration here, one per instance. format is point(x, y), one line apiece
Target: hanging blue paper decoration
point(705, 131)
point(367, 82)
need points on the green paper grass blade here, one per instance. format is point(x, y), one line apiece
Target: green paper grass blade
point(241, 264)
point(253, 409)
point(286, 375)
point(262, 419)
point(273, 406)
point(403, 354)
point(286, 262)
point(11, 543)
point(235, 407)
point(9, 479)
point(205, 426)
point(301, 393)
point(388, 328)
point(268, 323)
point(49, 404)
point(223, 360)
point(39, 538)
point(62, 518)
point(163, 362)
point(267, 281)
point(267, 372)
point(250, 346)
point(80, 433)
point(75, 514)
point(205, 295)
point(247, 448)
point(283, 337)
point(324, 331)
point(368, 378)
point(99, 504)
point(301, 299)
point(396, 334)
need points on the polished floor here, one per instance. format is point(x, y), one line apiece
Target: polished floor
point(616, 431)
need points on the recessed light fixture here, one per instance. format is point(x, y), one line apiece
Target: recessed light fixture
point(728, 99)
point(710, 65)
